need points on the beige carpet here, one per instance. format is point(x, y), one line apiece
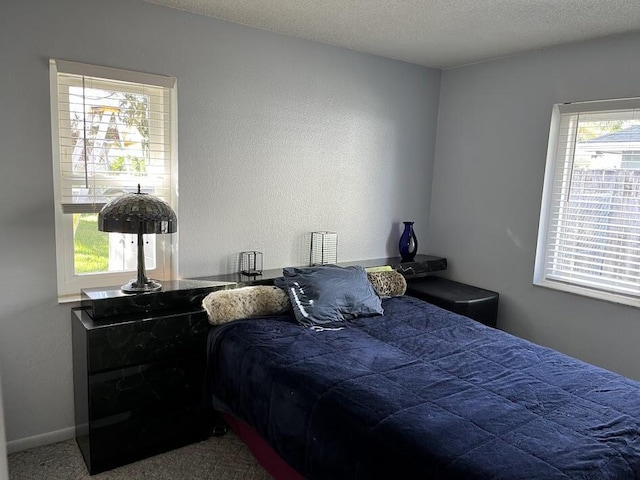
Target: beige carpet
point(221, 458)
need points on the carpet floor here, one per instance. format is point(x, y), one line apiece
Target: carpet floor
point(223, 458)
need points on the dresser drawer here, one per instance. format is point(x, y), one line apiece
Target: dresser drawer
point(126, 344)
point(176, 382)
point(129, 437)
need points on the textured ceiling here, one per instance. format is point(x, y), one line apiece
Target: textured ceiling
point(434, 33)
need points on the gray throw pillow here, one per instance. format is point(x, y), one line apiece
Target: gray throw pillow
point(326, 294)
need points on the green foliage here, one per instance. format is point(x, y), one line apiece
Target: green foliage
point(117, 164)
point(138, 165)
point(131, 164)
point(134, 111)
point(91, 245)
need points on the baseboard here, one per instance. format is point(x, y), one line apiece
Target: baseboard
point(40, 440)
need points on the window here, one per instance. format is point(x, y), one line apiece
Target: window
point(111, 130)
point(589, 233)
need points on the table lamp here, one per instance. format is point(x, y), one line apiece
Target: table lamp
point(139, 213)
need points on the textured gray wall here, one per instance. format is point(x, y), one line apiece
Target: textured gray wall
point(277, 137)
point(4, 472)
point(493, 127)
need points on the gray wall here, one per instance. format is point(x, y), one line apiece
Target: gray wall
point(493, 127)
point(4, 473)
point(277, 138)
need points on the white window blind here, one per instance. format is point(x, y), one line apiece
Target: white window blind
point(589, 236)
point(114, 132)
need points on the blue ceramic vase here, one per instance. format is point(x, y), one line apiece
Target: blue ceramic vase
point(408, 243)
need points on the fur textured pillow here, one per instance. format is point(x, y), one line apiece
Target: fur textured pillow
point(223, 306)
point(388, 283)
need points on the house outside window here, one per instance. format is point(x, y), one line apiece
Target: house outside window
point(112, 130)
point(589, 231)
point(631, 159)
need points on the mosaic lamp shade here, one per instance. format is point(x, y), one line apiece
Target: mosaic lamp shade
point(141, 214)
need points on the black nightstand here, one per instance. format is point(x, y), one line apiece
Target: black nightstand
point(138, 371)
point(467, 300)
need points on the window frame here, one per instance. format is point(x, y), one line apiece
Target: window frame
point(69, 283)
point(549, 190)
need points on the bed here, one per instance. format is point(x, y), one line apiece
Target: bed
point(420, 392)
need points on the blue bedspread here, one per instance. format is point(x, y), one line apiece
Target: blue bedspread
point(424, 393)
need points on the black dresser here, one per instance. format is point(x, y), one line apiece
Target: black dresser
point(139, 366)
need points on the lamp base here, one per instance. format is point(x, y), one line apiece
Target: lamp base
point(134, 286)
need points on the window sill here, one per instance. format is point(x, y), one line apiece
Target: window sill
point(75, 298)
point(590, 292)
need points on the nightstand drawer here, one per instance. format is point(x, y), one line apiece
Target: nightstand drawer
point(141, 434)
point(133, 343)
point(161, 384)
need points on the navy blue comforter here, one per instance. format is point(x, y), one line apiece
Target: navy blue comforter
point(424, 393)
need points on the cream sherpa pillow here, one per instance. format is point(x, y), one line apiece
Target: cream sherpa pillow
point(223, 306)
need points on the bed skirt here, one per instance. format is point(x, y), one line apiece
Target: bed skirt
point(261, 451)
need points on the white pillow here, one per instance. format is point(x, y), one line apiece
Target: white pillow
point(223, 306)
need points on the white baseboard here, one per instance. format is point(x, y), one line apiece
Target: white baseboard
point(40, 440)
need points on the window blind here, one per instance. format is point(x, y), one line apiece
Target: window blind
point(592, 235)
point(114, 132)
